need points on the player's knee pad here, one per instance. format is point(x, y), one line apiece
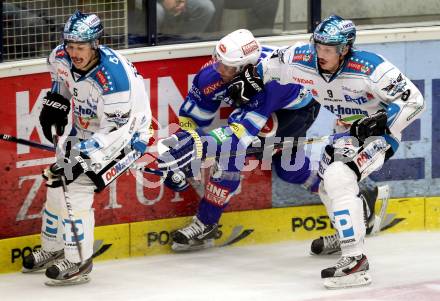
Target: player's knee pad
point(218, 191)
point(51, 230)
point(221, 186)
point(340, 182)
point(84, 223)
point(349, 222)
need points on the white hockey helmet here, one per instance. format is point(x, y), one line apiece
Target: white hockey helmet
point(238, 49)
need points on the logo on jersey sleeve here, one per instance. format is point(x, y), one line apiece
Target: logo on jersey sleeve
point(60, 53)
point(396, 85)
point(118, 117)
point(104, 80)
point(212, 87)
point(305, 57)
point(360, 66)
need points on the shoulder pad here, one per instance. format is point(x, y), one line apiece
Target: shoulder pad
point(362, 62)
point(267, 51)
point(59, 54)
point(111, 74)
point(208, 81)
point(303, 55)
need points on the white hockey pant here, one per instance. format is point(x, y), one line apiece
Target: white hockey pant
point(56, 230)
point(339, 193)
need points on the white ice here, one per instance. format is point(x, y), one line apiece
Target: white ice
point(403, 266)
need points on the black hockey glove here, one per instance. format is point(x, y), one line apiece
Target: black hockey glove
point(69, 167)
point(373, 125)
point(244, 86)
point(55, 110)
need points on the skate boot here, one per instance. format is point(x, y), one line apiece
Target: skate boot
point(326, 245)
point(195, 236)
point(64, 272)
point(40, 259)
point(349, 271)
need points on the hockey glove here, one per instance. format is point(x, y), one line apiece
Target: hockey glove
point(55, 110)
point(373, 125)
point(176, 181)
point(182, 148)
point(244, 86)
point(52, 175)
point(140, 142)
point(69, 167)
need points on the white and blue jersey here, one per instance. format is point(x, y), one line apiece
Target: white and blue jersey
point(109, 103)
point(364, 84)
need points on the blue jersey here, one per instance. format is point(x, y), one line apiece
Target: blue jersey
point(209, 91)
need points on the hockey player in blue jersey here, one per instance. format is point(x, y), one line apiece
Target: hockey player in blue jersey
point(111, 125)
point(374, 102)
point(293, 107)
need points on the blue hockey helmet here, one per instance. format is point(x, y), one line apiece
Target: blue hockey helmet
point(335, 31)
point(82, 28)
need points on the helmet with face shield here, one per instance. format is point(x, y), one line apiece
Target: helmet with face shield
point(81, 28)
point(335, 31)
point(237, 50)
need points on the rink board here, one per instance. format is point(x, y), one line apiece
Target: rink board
point(237, 228)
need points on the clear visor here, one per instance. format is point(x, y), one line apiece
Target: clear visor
point(220, 67)
point(338, 48)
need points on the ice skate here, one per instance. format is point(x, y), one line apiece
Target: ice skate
point(64, 273)
point(326, 245)
point(39, 260)
point(195, 236)
point(349, 271)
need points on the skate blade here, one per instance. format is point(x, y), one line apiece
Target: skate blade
point(336, 252)
point(206, 244)
point(383, 195)
point(85, 278)
point(349, 281)
point(33, 271)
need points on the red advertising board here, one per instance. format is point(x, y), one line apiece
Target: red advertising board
point(22, 189)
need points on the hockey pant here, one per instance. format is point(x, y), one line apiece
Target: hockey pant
point(341, 168)
point(56, 230)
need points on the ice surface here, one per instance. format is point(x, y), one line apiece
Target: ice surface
point(403, 266)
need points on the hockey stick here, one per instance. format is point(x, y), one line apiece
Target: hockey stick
point(13, 139)
point(67, 201)
point(249, 151)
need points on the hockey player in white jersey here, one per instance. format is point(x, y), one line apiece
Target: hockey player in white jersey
point(110, 130)
point(374, 102)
